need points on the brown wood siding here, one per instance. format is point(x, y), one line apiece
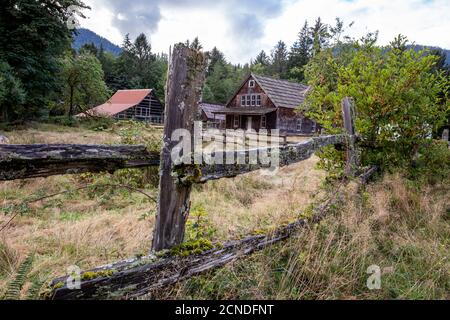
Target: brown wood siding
point(245, 90)
point(285, 119)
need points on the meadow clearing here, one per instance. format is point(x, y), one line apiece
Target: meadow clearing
point(394, 223)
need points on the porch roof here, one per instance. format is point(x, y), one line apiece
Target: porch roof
point(245, 111)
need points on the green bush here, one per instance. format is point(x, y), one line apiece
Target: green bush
point(433, 163)
point(400, 99)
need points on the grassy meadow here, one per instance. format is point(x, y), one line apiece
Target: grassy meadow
point(400, 225)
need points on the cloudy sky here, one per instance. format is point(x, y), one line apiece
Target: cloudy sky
point(242, 28)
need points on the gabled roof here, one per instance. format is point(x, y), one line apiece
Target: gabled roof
point(210, 108)
point(283, 93)
point(120, 101)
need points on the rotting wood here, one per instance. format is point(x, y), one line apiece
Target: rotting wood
point(349, 117)
point(186, 76)
point(36, 161)
point(288, 155)
point(135, 278)
point(40, 161)
point(446, 136)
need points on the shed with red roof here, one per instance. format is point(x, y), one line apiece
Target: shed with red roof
point(141, 104)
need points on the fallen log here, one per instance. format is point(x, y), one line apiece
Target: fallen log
point(35, 161)
point(141, 276)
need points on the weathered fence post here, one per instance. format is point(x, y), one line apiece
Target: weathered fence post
point(185, 80)
point(446, 136)
point(349, 116)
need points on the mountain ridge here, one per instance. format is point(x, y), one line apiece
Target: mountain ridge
point(85, 36)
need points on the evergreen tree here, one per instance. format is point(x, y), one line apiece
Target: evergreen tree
point(300, 53)
point(34, 35)
point(215, 57)
point(320, 36)
point(262, 59)
point(279, 66)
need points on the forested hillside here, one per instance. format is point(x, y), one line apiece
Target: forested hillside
point(86, 36)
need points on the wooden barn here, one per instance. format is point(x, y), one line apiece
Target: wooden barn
point(141, 104)
point(267, 103)
point(209, 118)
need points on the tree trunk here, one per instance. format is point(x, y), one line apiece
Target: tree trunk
point(184, 87)
point(71, 101)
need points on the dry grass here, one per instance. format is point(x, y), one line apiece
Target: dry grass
point(48, 133)
point(396, 225)
point(91, 228)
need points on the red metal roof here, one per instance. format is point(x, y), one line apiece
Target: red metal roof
point(120, 101)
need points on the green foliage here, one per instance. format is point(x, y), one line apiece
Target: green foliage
point(34, 37)
point(192, 247)
point(222, 82)
point(90, 275)
point(432, 165)
point(135, 132)
point(199, 225)
point(136, 67)
point(398, 98)
point(12, 94)
point(84, 86)
point(37, 284)
point(15, 286)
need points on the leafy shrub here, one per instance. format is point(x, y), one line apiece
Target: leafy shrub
point(400, 99)
point(433, 163)
point(199, 225)
point(133, 132)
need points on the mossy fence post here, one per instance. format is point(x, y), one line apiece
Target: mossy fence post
point(186, 76)
point(349, 117)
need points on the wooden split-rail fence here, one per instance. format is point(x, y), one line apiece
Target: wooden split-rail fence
point(137, 277)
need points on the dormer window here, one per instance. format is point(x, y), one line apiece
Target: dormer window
point(251, 84)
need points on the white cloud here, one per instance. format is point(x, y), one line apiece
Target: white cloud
point(243, 28)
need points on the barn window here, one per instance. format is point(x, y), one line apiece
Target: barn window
point(253, 100)
point(251, 84)
point(249, 102)
point(236, 121)
point(263, 122)
point(258, 100)
point(243, 101)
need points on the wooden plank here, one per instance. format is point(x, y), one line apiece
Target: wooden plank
point(349, 117)
point(38, 161)
point(288, 155)
point(446, 136)
point(185, 80)
point(34, 161)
